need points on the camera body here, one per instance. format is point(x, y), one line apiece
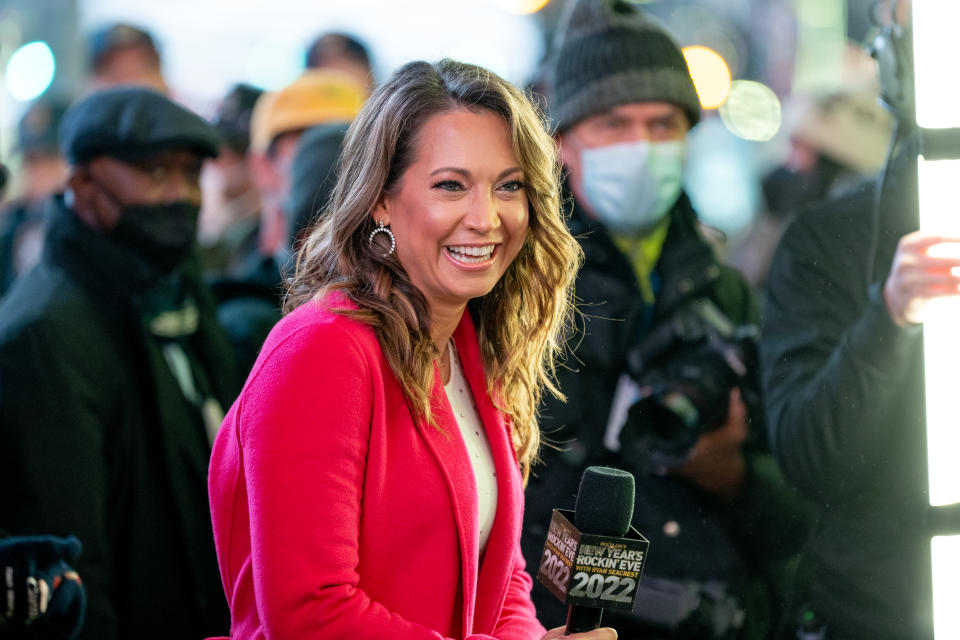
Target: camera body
point(685, 368)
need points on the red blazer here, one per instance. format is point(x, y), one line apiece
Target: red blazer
point(335, 515)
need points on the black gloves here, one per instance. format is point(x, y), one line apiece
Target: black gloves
point(38, 588)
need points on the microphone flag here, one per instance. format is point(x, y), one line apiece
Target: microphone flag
point(588, 570)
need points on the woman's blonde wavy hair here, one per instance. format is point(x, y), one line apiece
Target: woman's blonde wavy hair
point(522, 321)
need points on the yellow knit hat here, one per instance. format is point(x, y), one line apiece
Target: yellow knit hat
point(318, 96)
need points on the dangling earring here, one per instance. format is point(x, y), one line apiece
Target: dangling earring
point(386, 230)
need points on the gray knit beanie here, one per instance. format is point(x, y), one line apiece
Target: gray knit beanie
point(610, 54)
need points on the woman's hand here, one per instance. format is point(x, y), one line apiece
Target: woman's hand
point(606, 633)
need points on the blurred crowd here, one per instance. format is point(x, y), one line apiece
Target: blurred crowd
point(143, 261)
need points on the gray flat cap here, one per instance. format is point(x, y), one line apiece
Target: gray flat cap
point(128, 123)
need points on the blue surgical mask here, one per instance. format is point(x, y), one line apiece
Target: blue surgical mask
point(631, 186)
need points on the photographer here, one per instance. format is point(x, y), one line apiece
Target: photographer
point(660, 381)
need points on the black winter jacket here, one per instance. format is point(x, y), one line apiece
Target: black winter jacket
point(744, 544)
point(844, 395)
point(97, 440)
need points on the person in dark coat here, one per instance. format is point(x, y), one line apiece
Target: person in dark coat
point(230, 216)
point(248, 308)
point(113, 373)
point(43, 172)
point(724, 526)
point(842, 357)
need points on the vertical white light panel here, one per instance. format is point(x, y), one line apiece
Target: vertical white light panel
point(938, 99)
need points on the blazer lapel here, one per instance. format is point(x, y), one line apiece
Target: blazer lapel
point(494, 575)
point(446, 445)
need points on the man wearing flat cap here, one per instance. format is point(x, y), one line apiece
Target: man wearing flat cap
point(113, 374)
point(661, 380)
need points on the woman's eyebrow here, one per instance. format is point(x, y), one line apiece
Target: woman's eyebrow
point(467, 174)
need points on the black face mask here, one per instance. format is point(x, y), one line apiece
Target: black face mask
point(162, 234)
point(787, 191)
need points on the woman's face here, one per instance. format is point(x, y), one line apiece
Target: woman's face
point(459, 212)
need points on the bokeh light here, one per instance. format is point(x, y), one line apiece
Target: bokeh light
point(711, 75)
point(30, 70)
point(710, 27)
point(821, 40)
point(819, 13)
point(752, 111)
point(723, 194)
point(10, 31)
point(273, 63)
point(521, 7)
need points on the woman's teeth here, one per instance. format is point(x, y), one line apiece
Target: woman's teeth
point(471, 254)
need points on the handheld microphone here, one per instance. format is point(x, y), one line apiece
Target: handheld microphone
point(595, 561)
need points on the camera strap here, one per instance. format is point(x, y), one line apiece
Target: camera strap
point(627, 393)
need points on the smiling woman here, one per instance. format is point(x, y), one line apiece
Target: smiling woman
point(400, 136)
point(368, 482)
point(459, 213)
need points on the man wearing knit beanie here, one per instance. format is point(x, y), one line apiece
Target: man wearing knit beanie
point(644, 394)
point(622, 100)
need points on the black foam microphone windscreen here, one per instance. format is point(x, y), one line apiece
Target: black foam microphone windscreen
point(604, 508)
point(605, 502)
